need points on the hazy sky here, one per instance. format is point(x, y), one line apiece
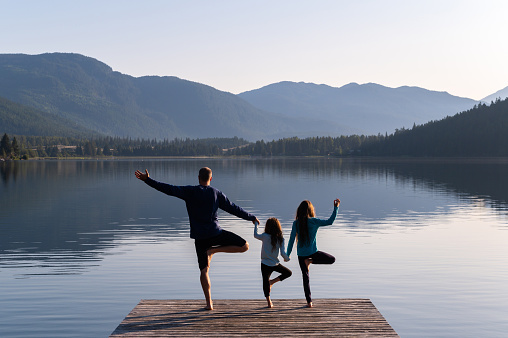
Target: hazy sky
point(454, 46)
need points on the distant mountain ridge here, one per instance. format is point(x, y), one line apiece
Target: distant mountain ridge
point(91, 94)
point(370, 108)
point(500, 94)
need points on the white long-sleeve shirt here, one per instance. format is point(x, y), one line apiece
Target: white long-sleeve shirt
point(269, 255)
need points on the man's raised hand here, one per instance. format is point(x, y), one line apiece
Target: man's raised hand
point(142, 176)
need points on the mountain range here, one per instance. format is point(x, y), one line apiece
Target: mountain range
point(88, 94)
point(91, 94)
point(369, 108)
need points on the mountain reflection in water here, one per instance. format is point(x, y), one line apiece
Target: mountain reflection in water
point(63, 216)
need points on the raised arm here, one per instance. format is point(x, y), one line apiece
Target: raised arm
point(329, 221)
point(172, 190)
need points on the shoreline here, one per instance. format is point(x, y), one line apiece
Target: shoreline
point(475, 159)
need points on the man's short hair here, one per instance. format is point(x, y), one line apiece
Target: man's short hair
point(205, 174)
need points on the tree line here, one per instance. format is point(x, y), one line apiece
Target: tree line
point(62, 147)
point(25, 147)
point(311, 146)
point(480, 131)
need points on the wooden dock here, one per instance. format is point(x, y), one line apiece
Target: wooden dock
point(251, 318)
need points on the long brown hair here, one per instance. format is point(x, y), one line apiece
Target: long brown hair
point(304, 211)
point(274, 229)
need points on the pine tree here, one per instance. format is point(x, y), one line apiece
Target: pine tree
point(79, 151)
point(15, 147)
point(41, 151)
point(53, 151)
point(89, 149)
point(5, 146)
point(107, 151)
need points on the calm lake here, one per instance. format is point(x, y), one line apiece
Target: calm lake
point(82, 242)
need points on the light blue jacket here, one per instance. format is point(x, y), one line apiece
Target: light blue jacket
point(269, 255)
point(313, 224)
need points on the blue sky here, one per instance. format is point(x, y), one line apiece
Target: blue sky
point(447, 45)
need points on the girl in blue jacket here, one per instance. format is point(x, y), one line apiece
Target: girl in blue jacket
point(304, 230)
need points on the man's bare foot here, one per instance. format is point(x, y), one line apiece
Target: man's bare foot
point(309, 304)
point(209, 307)
point(210, 253)
point(269, 301)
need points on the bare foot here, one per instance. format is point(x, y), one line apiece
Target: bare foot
point(309, 304)
point(269, 301)
point(308, 261)
point(273, 281)
point(209, 307)
point(210, 253)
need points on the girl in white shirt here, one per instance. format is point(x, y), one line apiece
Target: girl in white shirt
point(273, 243)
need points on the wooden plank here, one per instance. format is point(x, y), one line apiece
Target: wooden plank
point(248, 317)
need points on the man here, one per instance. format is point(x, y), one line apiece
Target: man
point(202, 202)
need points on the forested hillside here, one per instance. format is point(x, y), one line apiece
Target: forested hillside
point(22, 120)
point(481, 131)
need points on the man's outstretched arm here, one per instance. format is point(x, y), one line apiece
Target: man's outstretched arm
point(165, 188)
point(234, 209)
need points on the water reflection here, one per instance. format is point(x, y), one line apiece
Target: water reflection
point(62, 217)
point(478, 177)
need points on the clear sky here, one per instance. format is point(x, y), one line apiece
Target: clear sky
point(236, 45)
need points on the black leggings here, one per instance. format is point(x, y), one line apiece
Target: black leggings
point(267, 270)
point(318, 257)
